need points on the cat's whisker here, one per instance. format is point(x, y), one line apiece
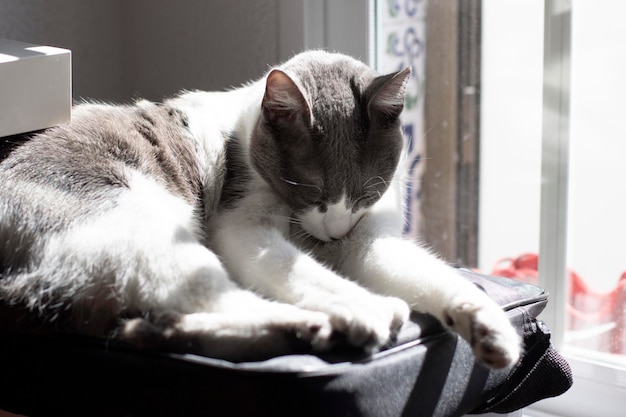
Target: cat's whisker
point(381, 180)
point(375, 185)
point(290, 219)
point(378, 177)
point(300, 236)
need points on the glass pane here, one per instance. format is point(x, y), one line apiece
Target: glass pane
point(510, 142)
point(597, 190)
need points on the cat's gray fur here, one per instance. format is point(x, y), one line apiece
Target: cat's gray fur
point(225, 223)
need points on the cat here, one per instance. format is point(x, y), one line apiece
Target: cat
point(233, 224)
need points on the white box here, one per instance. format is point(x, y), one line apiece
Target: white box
point(35, 87)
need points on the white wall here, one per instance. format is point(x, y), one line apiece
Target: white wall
point(124, 49)
point(199, 44)
point(91, 29)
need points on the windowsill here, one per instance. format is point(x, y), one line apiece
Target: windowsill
point(598, 390)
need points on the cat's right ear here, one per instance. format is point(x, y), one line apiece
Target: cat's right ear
point(283, 99)
point(387, 94)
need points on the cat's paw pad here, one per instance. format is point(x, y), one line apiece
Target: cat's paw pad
point(400, 313)
point(312, 328)
point(487, 329)
point(367, 321)
point(148, 333)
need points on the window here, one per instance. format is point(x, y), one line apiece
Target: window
point(562, 196)
point(523, 142)
point(539, 83)
point(597, 195)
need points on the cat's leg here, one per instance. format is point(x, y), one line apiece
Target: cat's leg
point(197, 308)
point(251, 241)
point(238, 326)
point(376, 255)
point(399, 267)
point(142, 259)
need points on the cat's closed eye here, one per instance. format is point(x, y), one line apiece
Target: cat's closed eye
point(306, 194)
point(365, 200)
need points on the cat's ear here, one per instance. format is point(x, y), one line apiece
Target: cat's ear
point(387, 94)
point(283, 99)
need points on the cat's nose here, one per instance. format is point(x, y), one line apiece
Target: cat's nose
point(338, 221)
point(338, 228)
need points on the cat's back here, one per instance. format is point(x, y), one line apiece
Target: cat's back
point(99, 148)
point(76, 172)
point(103, 177)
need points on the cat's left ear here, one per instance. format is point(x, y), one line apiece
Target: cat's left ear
point(387, 94)
point(283, 99)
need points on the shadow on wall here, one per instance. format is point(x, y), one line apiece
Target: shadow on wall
point(122, 50)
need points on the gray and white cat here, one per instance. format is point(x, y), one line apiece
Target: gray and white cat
point(230, 223)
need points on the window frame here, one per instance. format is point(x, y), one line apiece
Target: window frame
point(594, 377)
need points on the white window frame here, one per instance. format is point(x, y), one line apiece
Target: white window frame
point(599, 388)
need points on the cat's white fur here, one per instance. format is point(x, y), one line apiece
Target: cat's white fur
point(359, 286)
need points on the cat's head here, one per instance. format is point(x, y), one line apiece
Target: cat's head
point(329, 139)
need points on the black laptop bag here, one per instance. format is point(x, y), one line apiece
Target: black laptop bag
point(427, 371)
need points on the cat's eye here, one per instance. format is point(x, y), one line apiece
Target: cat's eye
point(306, 194)
point(365, 200)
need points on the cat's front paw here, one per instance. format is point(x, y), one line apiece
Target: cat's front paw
point(485, 326)
point(364, 320)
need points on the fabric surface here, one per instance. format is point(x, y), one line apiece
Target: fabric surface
point(427, 371)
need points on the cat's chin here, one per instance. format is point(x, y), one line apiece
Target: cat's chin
point(319, 236)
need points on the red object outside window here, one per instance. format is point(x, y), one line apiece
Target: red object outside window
point(596, 319)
